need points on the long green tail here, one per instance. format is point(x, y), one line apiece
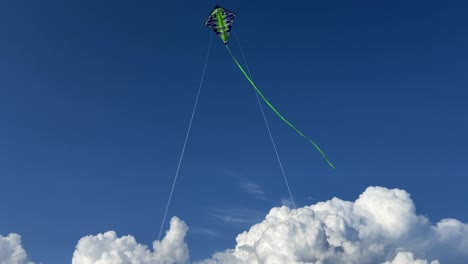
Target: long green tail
point(276, 111)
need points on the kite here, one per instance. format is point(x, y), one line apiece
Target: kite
point(220, 21)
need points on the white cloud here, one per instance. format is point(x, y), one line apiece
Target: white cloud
point(11, 250)
point(408, 258)
point(381, 226)
point(107, 248)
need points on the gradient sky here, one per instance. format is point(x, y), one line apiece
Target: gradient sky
point(95, 99)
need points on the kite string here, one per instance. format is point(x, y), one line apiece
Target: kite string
point(185, 141)
point(267, 125)
point(272, 141)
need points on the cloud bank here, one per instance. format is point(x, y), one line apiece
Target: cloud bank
point(107, 248)
point(11, 250)
point(381, 226)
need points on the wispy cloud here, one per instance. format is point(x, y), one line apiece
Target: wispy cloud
point(254, 189)
point(203, 231)
point(246, 185)
point(239, 215)
point(287, 202)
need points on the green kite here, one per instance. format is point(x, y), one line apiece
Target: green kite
point(220, 21)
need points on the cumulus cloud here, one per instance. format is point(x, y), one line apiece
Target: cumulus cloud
point(381, 226)
point(11, 250)
point(408, 258)
point(107, 248)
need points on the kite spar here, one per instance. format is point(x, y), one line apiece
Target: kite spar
point(220, 21)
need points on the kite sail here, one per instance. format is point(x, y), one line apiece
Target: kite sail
point(220, 20)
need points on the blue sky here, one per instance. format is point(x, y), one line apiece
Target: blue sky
point(95, 99)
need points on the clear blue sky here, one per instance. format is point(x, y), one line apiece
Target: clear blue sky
point(95, 97)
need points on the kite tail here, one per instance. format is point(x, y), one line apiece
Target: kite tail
point(276, 111)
